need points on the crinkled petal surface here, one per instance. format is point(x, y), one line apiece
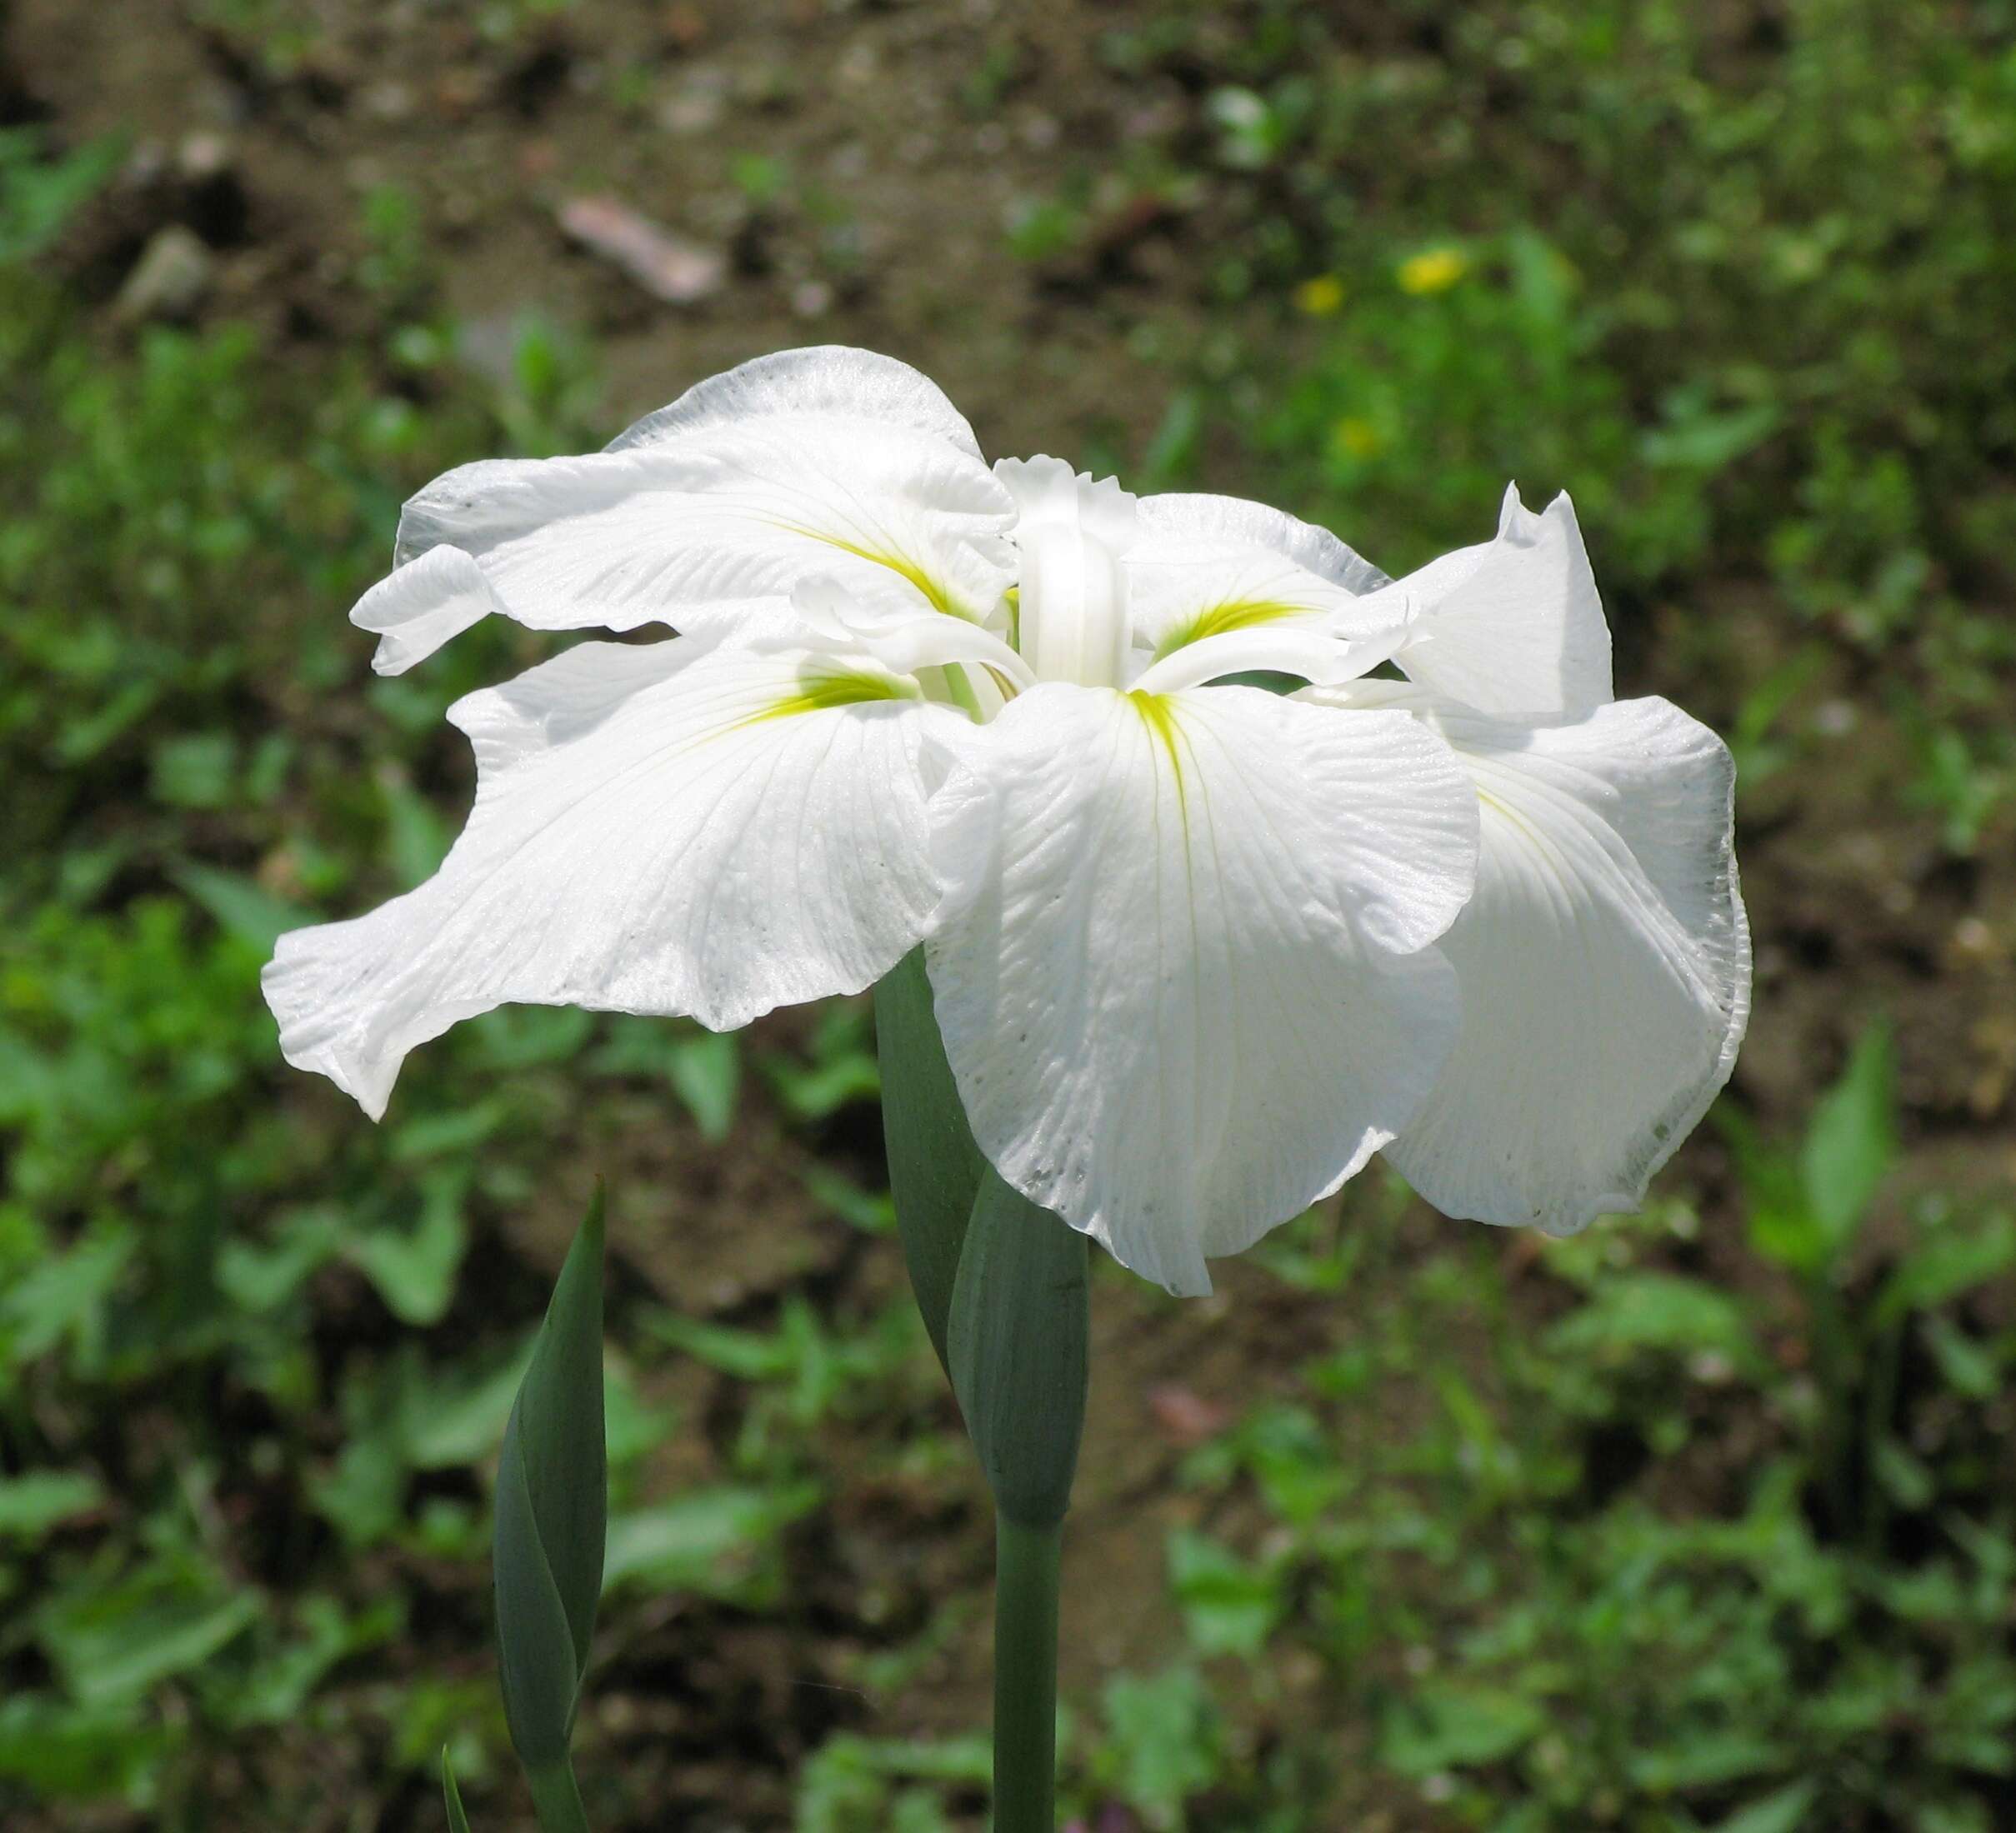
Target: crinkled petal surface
point(1195, 986)
point(1604, 965)
point(1513, 627)
point(702, 516)
point(657, 829)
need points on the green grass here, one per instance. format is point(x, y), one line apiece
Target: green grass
point(1701, 1521)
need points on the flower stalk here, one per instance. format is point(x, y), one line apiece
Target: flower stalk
point(1018, 1335)
point(556, 1800)
point(1025, 1560)
point(1003, 1285)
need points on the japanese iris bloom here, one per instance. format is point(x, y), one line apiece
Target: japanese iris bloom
point(1198, 949)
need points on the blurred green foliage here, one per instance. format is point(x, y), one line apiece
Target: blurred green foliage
point(1740, 280)
point(1702, 1521)
point(1646, 1566)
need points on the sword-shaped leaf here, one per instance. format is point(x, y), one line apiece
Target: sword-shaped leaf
point(552, 1516)
point(1018, 1329)
point(935, 1169)
point(459, 1819)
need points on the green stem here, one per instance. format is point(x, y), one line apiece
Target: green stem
point(555, 1801)
point(1025, 1676)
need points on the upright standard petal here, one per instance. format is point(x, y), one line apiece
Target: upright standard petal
point(818, 379)
point(1071, 534)
point(665, 829)
point(1193, 988)
point(707, 512)
point(1604, 964)
point(1193, 516)
point(1513, 627)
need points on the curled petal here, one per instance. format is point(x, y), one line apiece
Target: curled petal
point(706, 513)
point(1193, 986)
point(904, 642)
point(426, 603)
point(1513, 627)
point(657, 829)
point(1604, 965)
point(1284, 648)
point(1233, 521)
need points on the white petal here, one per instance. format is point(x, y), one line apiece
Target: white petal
point(1194, 988)
point(819, 379)
point(1281, 648)
point(1070, 534)
point(705, 513)
point(1233, 520)
point(713, 836)
point(1184, 593)
point(1229, 567)
point(1604, 965)
point(1049, 494)
point(424, 604)
point(1513, 627)
point(824, 610)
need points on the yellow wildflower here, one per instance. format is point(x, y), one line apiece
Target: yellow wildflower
point(1320, 297)
point(1434, 271)
point(1357, 437)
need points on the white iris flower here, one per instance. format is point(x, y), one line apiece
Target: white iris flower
point(1198, 949)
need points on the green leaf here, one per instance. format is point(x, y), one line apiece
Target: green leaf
point(935, 1169)
point(195, 769)
point(1969, 1368)
point(706, 1075)
point(1448, 1726)
point(414, 1269)
point(1851, 1141)
point(416, 837)
point(555, 1801)
point(65, 1296)
point(1016, 1337)
point(539, 1664)
point(1782, 1227)
point(60, 1750)
point(1783, 1810)
point(1905, 1478)
point(239, 906)
point(1638, 1312)
point(1165, 1739)
point(852, 1782)
point(256, 1277)
point(459, 1819)
point(275, 1686)
point(446, 1419)
point(1948, 1261)
point(719, 1542)
point(1228, 1606)
point(873, 1212)
point(552, 1512)
point(38, 1500)
point(41, 193)
point(115, 1645)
